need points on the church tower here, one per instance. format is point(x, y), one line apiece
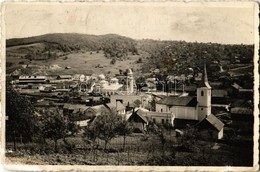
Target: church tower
point(204, 97)
point(130, 82)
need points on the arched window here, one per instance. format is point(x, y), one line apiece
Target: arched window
point(202, 93)
point(161, 110)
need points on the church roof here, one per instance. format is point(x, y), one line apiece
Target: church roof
point(179, 101)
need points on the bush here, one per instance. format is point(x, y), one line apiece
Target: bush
point(113, 61)
point(139, 60)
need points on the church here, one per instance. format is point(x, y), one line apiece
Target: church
point(195, 109)
point(187, 107)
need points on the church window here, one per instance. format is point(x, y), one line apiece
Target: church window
point(167, 121)
point(161, 110)
point(162, 121)
point(202, 93)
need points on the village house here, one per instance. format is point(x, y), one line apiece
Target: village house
point(78, 112)
point(64, 77)
point(139, 120)
point(119, 107)
point(161, 118)
point(124, 99)
point(32, 79)
point(242, 109)
point(211, 128)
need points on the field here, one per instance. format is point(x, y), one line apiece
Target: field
point(138, 151)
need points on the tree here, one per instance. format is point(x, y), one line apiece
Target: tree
point(105, 126)
point(21, 119)
point(120, 71)
point(56, 126)
point(124, 128)
point(189, 140)
point(160, 132)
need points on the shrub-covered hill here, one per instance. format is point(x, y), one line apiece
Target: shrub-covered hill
point(178, 56)
point(112, 45)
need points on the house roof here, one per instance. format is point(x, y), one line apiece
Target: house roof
point(246, 90)
point(83, 123)
point(160, 114)
point(32, 77)
point(43, 103)
point(179, 101)
point(215, 122)
point(64, 76)
point(242, 103)
point(66, 106)
point(119, 106)
point(140, 114)
point(242, 111)
point(236, 86)
point(219, 93)
point(82, 108)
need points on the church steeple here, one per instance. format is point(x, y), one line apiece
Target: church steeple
point(204, 96)
point(204, 82)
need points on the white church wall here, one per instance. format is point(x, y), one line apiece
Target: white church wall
point(182, 112)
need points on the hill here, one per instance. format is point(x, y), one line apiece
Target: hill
point(112, 45)
point(167, 56)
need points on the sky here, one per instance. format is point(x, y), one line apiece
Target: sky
point(229, 23)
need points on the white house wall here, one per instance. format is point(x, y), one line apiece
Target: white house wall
point(221, 133)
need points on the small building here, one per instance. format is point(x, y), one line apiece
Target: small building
point(78, 112)
point(219, 93)
point(32, 79)
point(211, 128)
point(64, 77)
point(242, 110)
point(83, 123)
point(124, 99)
point(47, 90)
point(119, 107)
point(138, 120)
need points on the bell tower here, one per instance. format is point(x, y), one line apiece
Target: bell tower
point(204, 97)
point(130, 82)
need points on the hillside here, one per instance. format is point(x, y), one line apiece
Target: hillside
point(113, 45)
point(144, 55)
